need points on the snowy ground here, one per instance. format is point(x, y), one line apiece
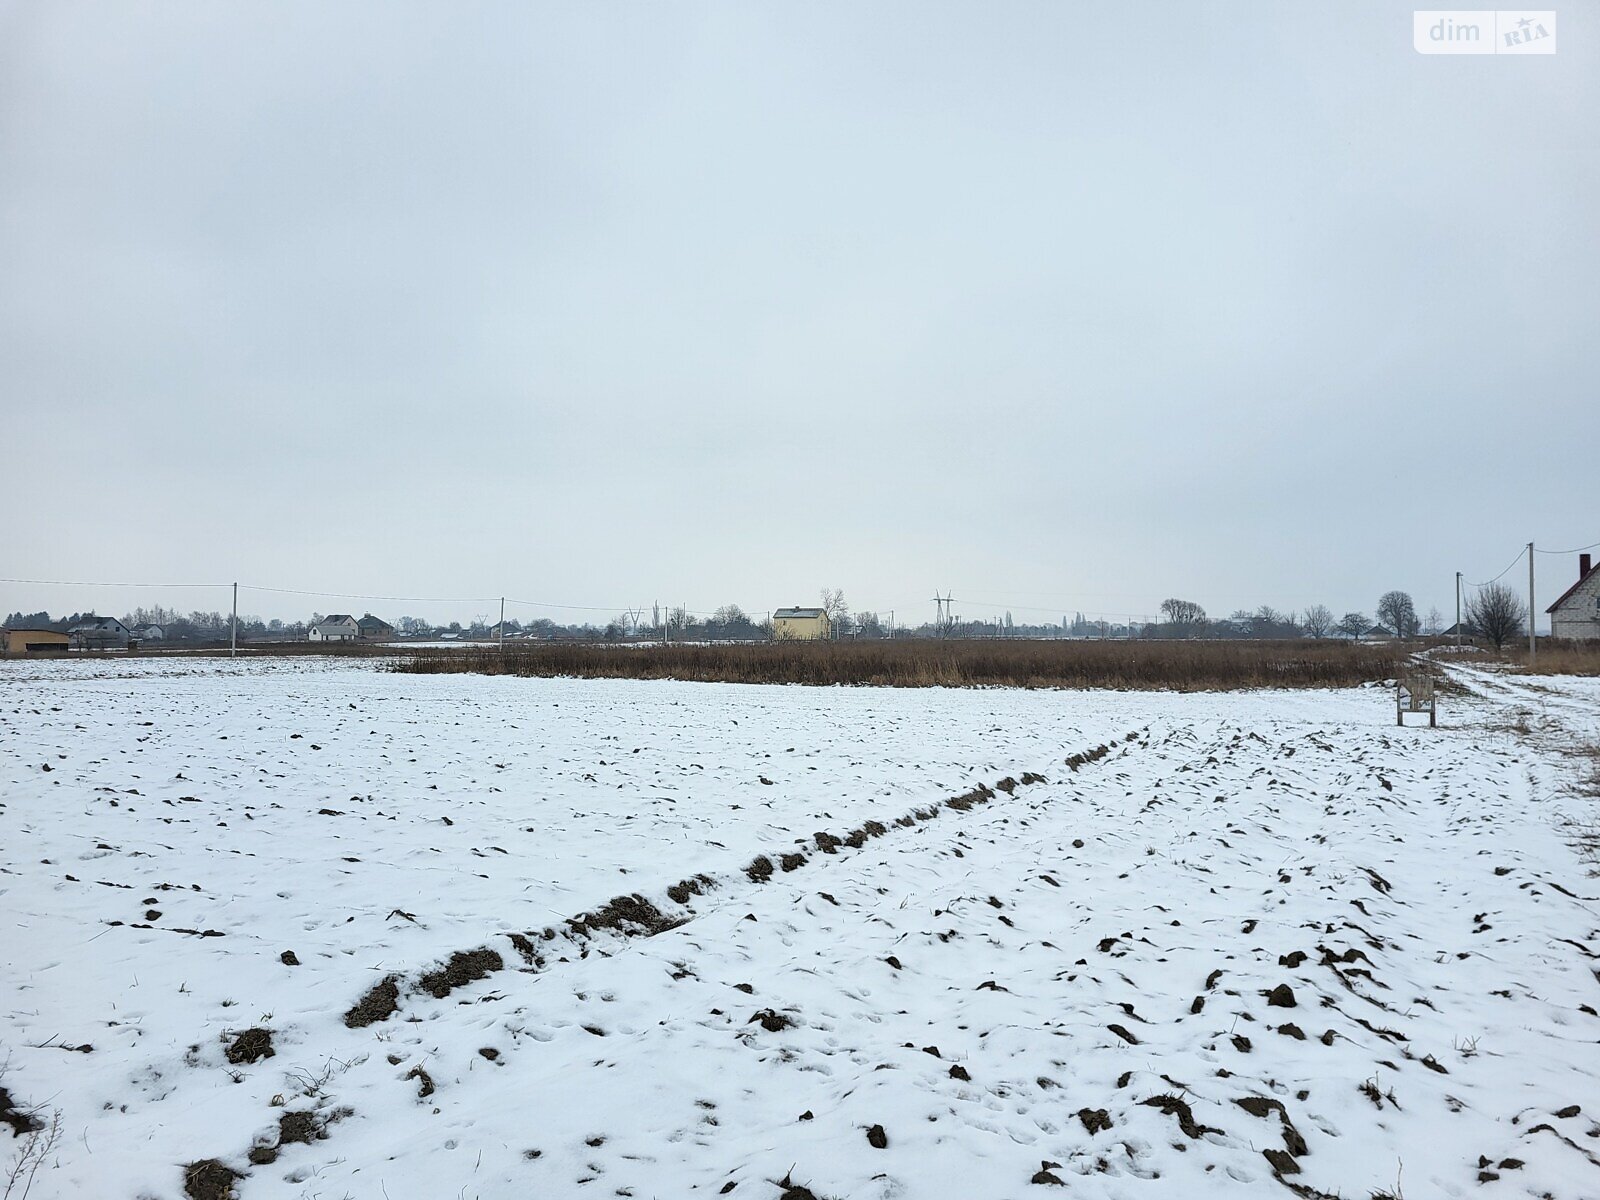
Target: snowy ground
point(1246, 941)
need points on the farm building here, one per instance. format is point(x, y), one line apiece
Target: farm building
point(99, 633)
point(33, 641)
point(335, 627)
point(1577, 613)
point(375, 629)
point(800, 624)
point(149, 633)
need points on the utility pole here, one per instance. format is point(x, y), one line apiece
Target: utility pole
point(502, 624)
point(1458, 610)
point(1533, 642)
point(233, 625)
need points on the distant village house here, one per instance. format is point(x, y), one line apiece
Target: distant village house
point(800, 625)
point(335, 627)
point(1576, 614)
point(99, 633)
point(375, 629)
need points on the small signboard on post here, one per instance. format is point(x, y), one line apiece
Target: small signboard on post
point(1414, 692)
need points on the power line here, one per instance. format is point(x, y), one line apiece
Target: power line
point(1575, 550)
point(79, 583)
point(253, 587)
point(1509, 565)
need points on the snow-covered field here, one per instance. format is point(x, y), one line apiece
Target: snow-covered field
point(341, 932)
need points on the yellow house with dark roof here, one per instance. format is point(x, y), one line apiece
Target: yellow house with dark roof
point(800, 625)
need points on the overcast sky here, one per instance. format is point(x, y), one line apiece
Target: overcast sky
point(1054, 306)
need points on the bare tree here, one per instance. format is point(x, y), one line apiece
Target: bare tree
point(1498, 613)
point(1433, 623)
point(1182, 612)
point(1396, 612)
point(836, 606)
point(1317, 621)
point(1353, 625)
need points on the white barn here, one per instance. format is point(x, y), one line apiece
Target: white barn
point(335, 627)
point(1577, 613)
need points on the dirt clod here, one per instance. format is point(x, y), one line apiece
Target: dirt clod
point(1282, 996)
point(380, 1003)
point(877, 1138)
point(302, 1128)
point(1175, 1106)
point(209, 1179)
point(462, 968)
point(771, 1021)
point(1094, 1119)
point(289, 959)
point(424, 1081)
point(20, 1122)
point(1282, 1161)
point(252, 1045)
point(760, 869)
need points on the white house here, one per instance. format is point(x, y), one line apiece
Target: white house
point(149, 633)
point(1577, 613)
point(335, 627)
point(99, 633)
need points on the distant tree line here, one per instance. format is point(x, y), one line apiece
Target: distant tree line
point(1494, 612)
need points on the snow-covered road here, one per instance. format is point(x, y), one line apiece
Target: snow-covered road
point(1242, 941)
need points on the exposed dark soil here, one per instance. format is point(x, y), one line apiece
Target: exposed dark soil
point(680, 892)
point(209, 1179)
point(981, 794)
point(771, 1021)
point(759, 870)
point(628, 915)
point(20, 1122)
point(424, 1081)
point(251, 1045)
point(877, 1138)
point(1094, 1119)
point(289, 958)
point(380, 1003)
point(301, 1128)
point(462, 968)
point(1174, 1106)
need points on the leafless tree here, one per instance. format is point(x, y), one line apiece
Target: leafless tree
point(835, 605)
point(1433, 623)
point(1498, 613)
point(1353, 625)
point(1182, 612)
point(1317, 621)
point(1396, 612)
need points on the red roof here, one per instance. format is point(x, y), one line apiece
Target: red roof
point(1582, 579)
